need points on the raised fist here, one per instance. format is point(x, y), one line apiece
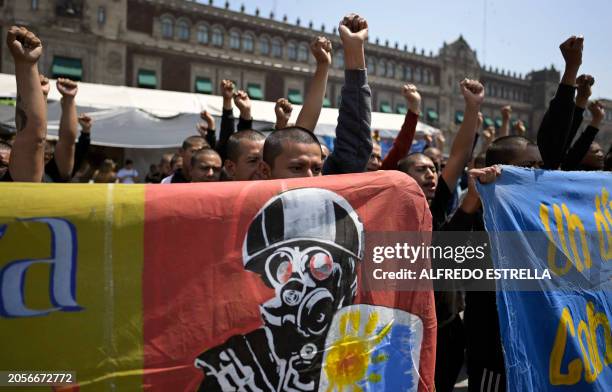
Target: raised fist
point(321, 48)
point(571, 50)
point(85, 121)
point(519, 128)
point(598, 112)
point(506, 111)
point(242, 102)
point(44, 84)
point(67, 87)
point(227, 89)
point(486, 175)
point(202, 128)
point(353, 30)
point(584, 83)
point(282, 109)
point(24, 46)
point(473, 92)
point(489, 134)
point(210, 121)
point(410, 92)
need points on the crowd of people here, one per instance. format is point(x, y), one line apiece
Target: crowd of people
point(241, 153)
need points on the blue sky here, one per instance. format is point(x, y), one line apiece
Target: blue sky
point(518, 35)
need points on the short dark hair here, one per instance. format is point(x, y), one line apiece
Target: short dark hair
point(273, 146)
point(4, 145)
point(406, 162)
point(191, 141)
point(203, 151)
point(503, 149)
point(232, 148)
point(128, 162)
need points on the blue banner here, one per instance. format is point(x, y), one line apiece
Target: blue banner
point(555, 338)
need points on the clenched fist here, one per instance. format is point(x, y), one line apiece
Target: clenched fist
point(45, 85)
point(210, 121)
point(321, 48)
point(519, 128)
point(583, 84)
point(243, 103)
point(282, 109)
point(473, 93)
point(67, 87)
point(85, 121)
point(413, 98)
point(489, 135)
point(571, 50)
point(506, 111)
point(24, 46)
point(353, 33)
point(598, 112)
point(227, 89)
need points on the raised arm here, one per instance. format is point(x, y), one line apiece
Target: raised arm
point(461, 150)
point(68, 128)
point(556, 124)
point(243, 103)
point(282, 109)
point(403, 141)
point(580, 148)
point(207, 128)
point(84, 141)
point(583, 93)
point(27, 159)
point(506, 112)
point(309, 115)
point(353, 144)
point(227, 117)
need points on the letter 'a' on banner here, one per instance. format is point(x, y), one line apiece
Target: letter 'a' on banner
point(212, 287)
point(555, 339)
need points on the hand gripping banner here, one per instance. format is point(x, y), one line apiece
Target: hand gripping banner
point(251, 286)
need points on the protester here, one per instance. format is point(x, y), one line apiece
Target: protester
point(106, 173)
point(296, 152)
point(127, 174)
point(154, 176)
point(27, 158)
point(205, 166)
point(188, 148)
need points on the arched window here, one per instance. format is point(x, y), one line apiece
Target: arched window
point(303, 53)
point(167, 27)
point(371, 65)
point(202, 34)
point(418, 76)
point(217, 36)
point(182, 29)
point(264, 46)
point(277, 48)
point(292, 51)
point(339, 59)
point(234, 39)
point(248, 42)
point(390, 70)
point(382, 68)
point(408, 73)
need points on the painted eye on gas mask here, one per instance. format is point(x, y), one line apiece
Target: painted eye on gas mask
point(279, 267)
point(320, 264)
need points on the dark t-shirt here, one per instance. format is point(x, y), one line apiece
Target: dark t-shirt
point(6, 177)
point(439, 204)
point(178, 177)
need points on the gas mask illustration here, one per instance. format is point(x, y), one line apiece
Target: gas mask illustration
point(305, 244)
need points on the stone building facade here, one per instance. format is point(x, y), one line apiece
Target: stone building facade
point(187, 46)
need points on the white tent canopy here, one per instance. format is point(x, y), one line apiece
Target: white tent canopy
point(115, 101)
